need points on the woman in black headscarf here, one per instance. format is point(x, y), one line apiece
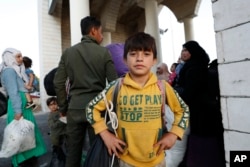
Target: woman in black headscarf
point(192, 86)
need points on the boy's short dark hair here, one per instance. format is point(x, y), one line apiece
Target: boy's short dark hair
point(27, 62)
point(140, 41)
point(89, 22)
point(51, 99)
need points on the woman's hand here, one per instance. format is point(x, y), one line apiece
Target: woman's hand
point(29, 87)
point(18, 116)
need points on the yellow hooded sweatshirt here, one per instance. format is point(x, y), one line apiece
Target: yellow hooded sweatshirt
point(140, 118)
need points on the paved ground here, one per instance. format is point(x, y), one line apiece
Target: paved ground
point(41, 118)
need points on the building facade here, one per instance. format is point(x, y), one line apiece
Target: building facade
point(59, 28)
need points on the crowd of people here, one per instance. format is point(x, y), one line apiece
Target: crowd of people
point(86, 77)
point(199, 88)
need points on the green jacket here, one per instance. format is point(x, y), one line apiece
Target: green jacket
point(57, 128)
point(87, 65)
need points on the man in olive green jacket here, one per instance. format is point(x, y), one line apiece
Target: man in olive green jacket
point(87, 65)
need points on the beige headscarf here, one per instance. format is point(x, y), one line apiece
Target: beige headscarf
point(9, 61)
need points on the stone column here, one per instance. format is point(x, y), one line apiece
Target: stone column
point(78, 10)
point(188, 28)
point(152, 24)
point(106, 38)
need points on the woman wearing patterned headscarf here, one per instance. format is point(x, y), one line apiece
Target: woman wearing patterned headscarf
point(13, 78)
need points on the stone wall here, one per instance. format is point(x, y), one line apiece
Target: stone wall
point(66, 38)
point(50, 43)
point(232, 25)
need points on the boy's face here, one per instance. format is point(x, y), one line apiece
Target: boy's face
point(140, 62)
point(53, 106)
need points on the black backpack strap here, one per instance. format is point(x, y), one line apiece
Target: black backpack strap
point(114, 101)
point(115, 92)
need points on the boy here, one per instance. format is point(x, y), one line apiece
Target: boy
point(29, 84)
point(33, 80)
point(140, 141)
point(57, 128)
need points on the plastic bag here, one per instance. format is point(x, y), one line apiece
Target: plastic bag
point(58, 158)
point(169, 117)
point(175, 155)
point(98, 155)
point(19, 136)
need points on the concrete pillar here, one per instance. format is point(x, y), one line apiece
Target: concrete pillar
point(78, 10)
point(106, 38)
point(152, 24)
point(189, 29)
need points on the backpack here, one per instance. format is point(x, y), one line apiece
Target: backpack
point(36, 83)
point(48, 82)
point(3, 103)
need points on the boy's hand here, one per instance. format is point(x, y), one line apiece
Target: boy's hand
point(113, 144)
point(167, 141)
point(63, 114)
